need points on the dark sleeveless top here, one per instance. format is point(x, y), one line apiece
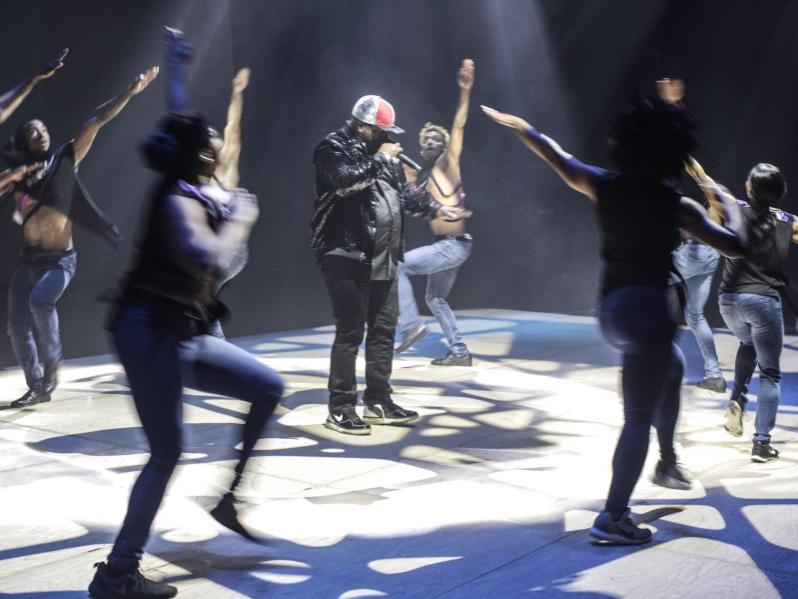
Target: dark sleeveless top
point(59, 187)
point(155, 272)
point(638, 221)
point(763, 269)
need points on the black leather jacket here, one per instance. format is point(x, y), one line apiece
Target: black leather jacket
point(344, 216)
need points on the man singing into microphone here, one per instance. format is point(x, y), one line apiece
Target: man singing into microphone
point(441, 260)
point(357, 237)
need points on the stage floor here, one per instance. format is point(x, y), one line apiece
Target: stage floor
point(489, 494)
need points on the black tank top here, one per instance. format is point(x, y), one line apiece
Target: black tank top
point(155, 270)
point(638, 221)
point(762, 270)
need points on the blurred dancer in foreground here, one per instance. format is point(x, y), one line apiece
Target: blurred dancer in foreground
point(160, 325)
point(640, 217)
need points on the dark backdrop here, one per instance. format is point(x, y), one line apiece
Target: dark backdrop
point(566, 66)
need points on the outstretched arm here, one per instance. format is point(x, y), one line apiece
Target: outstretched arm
point(106, 112)
point(14, 175)
point(723, 206)
point(729, 240)
point(575, 173)
point(11, 100)
point(227, 170)
point(177, 56)
point(465, 81)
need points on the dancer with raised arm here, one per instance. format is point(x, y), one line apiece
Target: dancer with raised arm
point(48, 201)
point(440, 261)
point(694, 266)
point(640, 217)
point(178, 56)
point(159, 329)
point(750, 299)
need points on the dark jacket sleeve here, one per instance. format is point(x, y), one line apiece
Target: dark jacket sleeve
point(416, 201)
point(343, 175)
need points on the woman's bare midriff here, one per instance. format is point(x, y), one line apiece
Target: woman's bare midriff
point(48, 229)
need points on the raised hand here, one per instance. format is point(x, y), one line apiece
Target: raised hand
point(241, 80)
point(141, 82)
point(465, 76)
point(693, 168)
point(178, 48)
point(670, 90)
point(508, 120)
point(53, 66)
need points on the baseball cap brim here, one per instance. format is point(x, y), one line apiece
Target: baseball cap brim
point(391, 129)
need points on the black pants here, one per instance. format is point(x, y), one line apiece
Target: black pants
point(636, 321)
point(358, 301)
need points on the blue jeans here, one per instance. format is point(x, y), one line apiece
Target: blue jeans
point(756, 320)
point(697, 263)
point(41, 277)
point(161, 354)
point(440, 262)
point(698, 288)
point(637, 321)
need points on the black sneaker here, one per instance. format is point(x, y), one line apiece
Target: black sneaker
point(670, 476)
point(108, 584)
point(734, 419)
point(622, 531)
point(347, 422)
point(30, 398)
point(451, 359)
point(387, 412)
point(713, 383)
point(762, 452)
point(410, 338)
point(225, 514)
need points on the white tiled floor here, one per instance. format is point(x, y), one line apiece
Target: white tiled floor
point(488, 495)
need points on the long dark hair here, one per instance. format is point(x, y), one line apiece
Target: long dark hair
point(15, 151)
point(652, 139)
point(767, 187)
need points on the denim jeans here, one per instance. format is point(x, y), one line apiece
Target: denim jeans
point(697, 263)
point(440, 262)
point(698, 288)
point(358, 301)
point(41, 277)
point(757, 322)
point(161, 355)
point(636, 321)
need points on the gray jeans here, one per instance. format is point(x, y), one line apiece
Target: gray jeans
point(440, 262)
point(757, 322)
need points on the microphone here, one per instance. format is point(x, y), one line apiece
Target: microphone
point(409, 162)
